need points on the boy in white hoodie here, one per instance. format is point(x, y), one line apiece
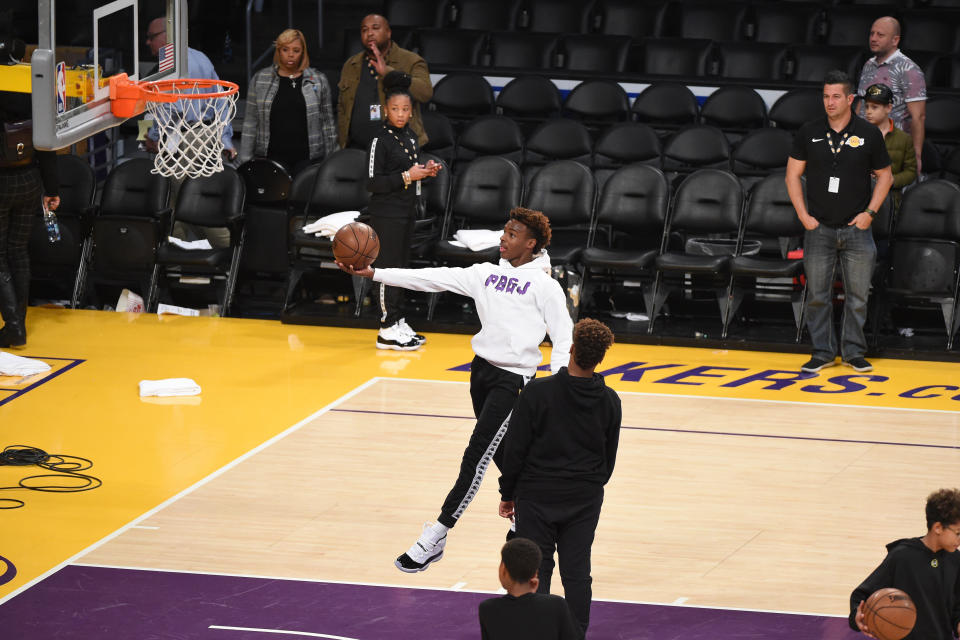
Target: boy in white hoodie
point(518, 302)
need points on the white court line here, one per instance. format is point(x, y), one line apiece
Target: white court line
point(679, 601)
point(189, 490)
point(142, 526)
point(500, 591)
point(712, 397)
point(458, 586)
point(280, 631)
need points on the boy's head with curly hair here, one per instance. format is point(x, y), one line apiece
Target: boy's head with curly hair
point(591, 339)
point(943, 520)
point(537, 224)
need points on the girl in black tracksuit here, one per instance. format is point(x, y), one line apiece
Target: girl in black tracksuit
point(393, 179)
point(24, 183)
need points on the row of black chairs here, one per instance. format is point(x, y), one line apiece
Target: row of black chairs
point(123, 241)
point(530, 100)
point(748, 152)
point(650, 56)
point(636, 226)
point(935, 29)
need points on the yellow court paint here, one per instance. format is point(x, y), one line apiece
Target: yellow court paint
point(261, 377)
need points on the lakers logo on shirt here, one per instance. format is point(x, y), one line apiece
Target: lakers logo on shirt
point(855, 141)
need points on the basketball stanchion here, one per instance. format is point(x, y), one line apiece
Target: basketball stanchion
point(190, 115)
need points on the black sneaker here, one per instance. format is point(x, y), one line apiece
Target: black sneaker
point(815, 364)
point(858, 364)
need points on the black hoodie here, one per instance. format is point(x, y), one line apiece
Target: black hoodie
point(932, 580)
point(562, 439)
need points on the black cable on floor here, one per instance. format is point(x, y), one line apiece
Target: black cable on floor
point(63, 466)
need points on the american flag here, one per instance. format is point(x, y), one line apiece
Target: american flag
point(166, 58)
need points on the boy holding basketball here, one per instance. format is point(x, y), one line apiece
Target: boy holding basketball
point(523, 613)
point(517, 302)
point(926, 568)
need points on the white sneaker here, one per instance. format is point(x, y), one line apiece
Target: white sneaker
point(393, 337)
point(408, 330)
point(422, 554)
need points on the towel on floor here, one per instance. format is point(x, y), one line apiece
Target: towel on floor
point(11, 365)
point(328, 225)
point(169, 387)
point(479, 239)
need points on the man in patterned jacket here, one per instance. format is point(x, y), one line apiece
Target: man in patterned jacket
point(890, 67)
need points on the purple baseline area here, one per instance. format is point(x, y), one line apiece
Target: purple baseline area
point(98, 602)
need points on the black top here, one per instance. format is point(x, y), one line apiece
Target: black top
point(363, 126)
point(849, 156)
point(562, 440)
point(288, 124)
point(532, 615)
point(15, 107)
point(391, 153)
point(932, 580)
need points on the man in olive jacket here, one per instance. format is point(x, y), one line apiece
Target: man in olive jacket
point(878, 101)
point(360, 107)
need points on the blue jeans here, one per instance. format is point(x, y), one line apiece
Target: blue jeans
point(857, 253)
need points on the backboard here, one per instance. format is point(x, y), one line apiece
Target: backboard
point(82, 43)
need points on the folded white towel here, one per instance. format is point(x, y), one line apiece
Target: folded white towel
point(328, 225)
point(169, 387)
point(190, 245)
point(11, 365)
point(479, 239)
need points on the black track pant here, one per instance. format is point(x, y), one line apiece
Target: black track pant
point(493, 391)
point(567, 527)
point(395, 235)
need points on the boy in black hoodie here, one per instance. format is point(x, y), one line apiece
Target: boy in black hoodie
point(927, 569)
point(558, 453)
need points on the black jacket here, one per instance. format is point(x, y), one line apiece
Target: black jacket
point(932, 580)
point(15, 107)
point(562, 439)
point(391, 153)
point(532, 615)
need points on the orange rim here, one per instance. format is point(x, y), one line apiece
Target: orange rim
point(163, 90)
point(129, 98)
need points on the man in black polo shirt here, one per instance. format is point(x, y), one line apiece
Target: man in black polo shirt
point(840, 155)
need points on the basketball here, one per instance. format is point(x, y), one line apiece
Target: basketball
point(356, 245)
point(889, 614)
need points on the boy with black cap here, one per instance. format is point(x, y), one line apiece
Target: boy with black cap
point(878, 102)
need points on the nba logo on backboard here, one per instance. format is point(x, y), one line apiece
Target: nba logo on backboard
point(166, 58)
point(61, 87)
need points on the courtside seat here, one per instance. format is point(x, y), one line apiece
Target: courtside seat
point(712, 20)
point(709, 203)
point(632, 18)
point(560, 16)
point(451, 47)
point(796, 107)
point(489, 15)
point(531, 52)
point(566, 191)
point(666, 106)
point(215, 201)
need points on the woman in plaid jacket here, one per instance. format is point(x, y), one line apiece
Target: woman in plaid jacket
point(289, 116)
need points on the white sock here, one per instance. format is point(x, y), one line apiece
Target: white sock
point(435, 533)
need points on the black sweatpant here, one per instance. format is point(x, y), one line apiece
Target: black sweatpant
point(21, 192)
point(395, 236)
point(567, 527)
point(493, 391)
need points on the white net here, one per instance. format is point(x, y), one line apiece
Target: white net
point(190, 142)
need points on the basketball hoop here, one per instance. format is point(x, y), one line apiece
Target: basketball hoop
point(190, 115)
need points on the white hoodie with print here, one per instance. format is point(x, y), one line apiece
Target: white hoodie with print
point(517, 307)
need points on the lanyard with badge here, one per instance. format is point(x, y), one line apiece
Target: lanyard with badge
point(834, 184)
